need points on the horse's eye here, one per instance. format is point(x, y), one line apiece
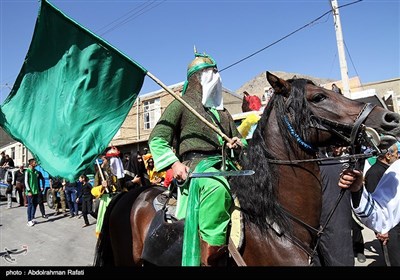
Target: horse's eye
point(318, 98)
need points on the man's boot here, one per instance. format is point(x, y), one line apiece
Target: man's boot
point(213, 255)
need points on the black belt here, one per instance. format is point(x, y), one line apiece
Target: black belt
point(192, 155)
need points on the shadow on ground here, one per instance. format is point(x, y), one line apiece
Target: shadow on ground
point(373, 252)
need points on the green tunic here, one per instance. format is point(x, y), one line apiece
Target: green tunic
point(33, 182)
point(206, 203)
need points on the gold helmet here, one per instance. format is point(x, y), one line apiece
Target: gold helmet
point(201, 61)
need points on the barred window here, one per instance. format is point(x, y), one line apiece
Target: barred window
point(12, 153)
point(152, 113)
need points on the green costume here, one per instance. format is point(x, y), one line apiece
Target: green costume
point(104, 197)
point(204, 202)
point(33, 182)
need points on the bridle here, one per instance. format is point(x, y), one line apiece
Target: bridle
point(356, 136)
point(357, 133)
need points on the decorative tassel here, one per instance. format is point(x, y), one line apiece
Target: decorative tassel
point(247, 123)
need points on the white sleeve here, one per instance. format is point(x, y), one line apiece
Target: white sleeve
point(380, 211)
point(117, 167)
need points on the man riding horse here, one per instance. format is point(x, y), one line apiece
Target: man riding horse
point(204, 202)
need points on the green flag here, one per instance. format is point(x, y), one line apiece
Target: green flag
point(72, 95)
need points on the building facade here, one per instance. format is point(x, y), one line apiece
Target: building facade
point(388, 91)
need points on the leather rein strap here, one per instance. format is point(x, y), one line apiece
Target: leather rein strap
point(235, 253)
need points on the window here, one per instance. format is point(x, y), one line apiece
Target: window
point(152, 113)
point(23, 155)
point(13, 152)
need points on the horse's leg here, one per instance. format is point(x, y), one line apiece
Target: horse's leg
point(141, 216)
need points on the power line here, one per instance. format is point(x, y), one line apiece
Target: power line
point(286, 36)
point(352, 63)
point(6, 85)
point(114, 21)
point(137, 12)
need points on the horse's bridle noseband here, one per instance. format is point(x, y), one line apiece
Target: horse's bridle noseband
point(355, 134)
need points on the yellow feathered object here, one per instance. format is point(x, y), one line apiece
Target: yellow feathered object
point(247, 123)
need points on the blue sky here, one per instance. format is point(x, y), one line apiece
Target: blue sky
point(160, 36)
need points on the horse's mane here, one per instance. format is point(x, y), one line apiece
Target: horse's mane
point(257, 194)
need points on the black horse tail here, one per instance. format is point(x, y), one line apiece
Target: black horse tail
point(103, 251)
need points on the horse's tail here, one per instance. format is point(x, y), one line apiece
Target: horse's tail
point(103, 250)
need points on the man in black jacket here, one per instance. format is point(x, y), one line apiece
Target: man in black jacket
point(20, 185)
point(336, 244)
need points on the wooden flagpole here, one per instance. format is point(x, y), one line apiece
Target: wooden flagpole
point(184, 103)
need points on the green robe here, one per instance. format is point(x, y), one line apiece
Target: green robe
point(204, 202)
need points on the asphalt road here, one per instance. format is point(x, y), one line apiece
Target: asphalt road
point(56, 241)
point(372, 250)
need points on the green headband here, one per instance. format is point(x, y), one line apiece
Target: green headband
point(202, 65)
point(198, 66)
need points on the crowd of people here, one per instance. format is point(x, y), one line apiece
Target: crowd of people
point(113, 175)
point(30, 186)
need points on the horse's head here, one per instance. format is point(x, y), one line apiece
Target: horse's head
point(330, 117)
point(284, 194)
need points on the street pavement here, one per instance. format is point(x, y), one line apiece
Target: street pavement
point(373, 251)
point(56, 241)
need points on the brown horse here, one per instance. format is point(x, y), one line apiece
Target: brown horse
point(281, 202)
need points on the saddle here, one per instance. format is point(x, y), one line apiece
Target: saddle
point(164, 241)
point(166, 200)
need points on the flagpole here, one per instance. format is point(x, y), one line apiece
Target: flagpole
point(101, 173)
point(184, 103)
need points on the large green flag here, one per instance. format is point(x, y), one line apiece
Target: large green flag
point(71, 96)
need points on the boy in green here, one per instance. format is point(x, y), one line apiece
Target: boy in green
point(203, 202)
point(31, 190)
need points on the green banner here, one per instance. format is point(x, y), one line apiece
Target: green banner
point(72, 95)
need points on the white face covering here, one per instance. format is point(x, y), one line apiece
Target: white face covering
point(212, 89)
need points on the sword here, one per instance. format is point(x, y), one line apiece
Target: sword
point(222, 173)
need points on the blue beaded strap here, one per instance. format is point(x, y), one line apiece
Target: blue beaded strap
point(297, 137)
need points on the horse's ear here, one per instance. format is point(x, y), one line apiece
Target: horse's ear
point(279, 85)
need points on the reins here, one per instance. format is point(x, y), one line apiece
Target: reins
point(347, 158)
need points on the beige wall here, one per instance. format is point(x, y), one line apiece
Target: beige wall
point(382, 88)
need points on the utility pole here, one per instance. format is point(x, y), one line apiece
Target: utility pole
point(340, 44)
